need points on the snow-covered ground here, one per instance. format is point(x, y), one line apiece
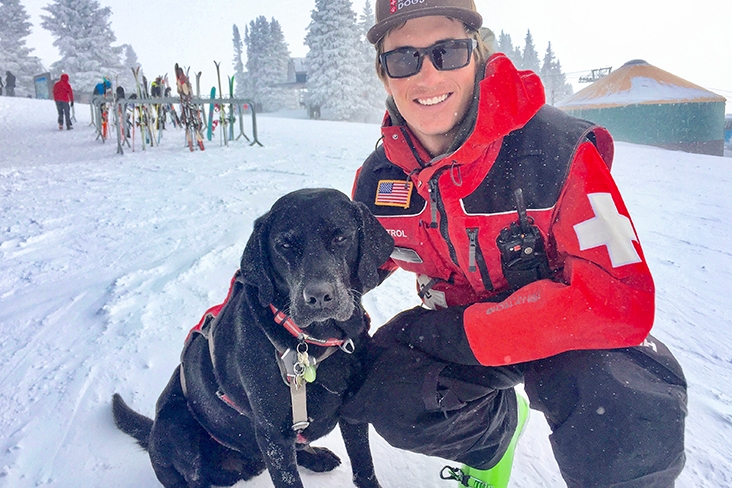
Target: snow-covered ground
point(106, 261)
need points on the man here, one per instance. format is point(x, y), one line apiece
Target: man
point(9, 84)
point(102, 88)
point(63, 95)
point(527, 263)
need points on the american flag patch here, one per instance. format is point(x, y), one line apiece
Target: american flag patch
point(394, 193)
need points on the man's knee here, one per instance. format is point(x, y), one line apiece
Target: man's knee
point(617, 416)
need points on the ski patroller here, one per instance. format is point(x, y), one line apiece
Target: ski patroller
point(190, 113)
point(222, 111)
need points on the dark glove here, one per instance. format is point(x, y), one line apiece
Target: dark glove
point(72, 103)
point(438, 333)
point(394, 330)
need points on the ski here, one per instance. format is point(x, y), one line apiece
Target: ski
point(232, 117)
point(222, 111)
point(140, 123)
point(190, 113)
point(209, 134)
point(198, 95)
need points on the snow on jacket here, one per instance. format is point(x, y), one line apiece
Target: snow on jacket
point(62, 91)
point(445, 215)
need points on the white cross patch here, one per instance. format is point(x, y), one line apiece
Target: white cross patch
point(610, 229)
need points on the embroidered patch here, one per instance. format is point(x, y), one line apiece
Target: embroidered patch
point(393, 193)
point(608, 228)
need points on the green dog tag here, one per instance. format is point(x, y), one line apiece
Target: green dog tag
point(309, 373)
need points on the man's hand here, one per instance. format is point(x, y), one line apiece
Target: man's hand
point(72, 103)
point(438, 333)
point(394, 331)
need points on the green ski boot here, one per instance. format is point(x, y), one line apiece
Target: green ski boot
point(499, 475)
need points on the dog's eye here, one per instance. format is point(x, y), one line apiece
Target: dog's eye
point(339, 239)
point(283, 243)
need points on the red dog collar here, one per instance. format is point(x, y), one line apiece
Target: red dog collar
point(286, 321)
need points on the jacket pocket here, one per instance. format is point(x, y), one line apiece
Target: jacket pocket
point(476, 262)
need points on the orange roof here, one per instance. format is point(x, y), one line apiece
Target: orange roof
point(638, 82)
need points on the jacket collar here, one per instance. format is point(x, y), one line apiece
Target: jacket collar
point(506, 99)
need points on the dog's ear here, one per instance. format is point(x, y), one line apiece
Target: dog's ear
point(376, 246)
point(255, 261)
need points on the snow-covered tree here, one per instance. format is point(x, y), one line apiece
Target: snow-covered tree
point(15, 56)
point(529, 57)
point(267, 61)
point(374, 93)
point(555, 82)
point(129, 61)
point(239, 76)
point(84, 38)
point(505, 46)
point(335, 81)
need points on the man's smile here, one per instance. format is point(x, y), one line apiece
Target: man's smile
point(433, 100)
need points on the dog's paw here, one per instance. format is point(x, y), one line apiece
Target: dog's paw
point(318, 459)
point(366, 482)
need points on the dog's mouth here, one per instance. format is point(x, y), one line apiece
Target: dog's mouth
point(319, 318)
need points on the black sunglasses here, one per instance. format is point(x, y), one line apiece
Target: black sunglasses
point(445, 56)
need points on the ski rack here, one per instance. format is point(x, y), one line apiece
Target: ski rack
point(96, 102)
point(95, 105)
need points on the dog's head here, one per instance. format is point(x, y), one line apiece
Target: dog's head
point(318, 250)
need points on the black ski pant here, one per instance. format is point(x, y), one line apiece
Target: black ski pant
point(617, 416)
point(64, 112)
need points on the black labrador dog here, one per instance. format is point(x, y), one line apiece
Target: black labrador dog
point(265, 374)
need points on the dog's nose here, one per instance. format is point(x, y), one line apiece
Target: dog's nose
point(319, 295)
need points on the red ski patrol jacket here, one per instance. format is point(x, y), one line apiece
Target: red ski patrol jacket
point(62, 91)
point(447, 213)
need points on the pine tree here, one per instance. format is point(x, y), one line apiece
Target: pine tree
point(529, 57)
point(505, 46)
point(14, 54)
point(84, 38)
point(555, 82)
point(239, 77)
point(278, 60)
point(335, 82)
point(267, 61)
point(374, 94)
point(129, 60)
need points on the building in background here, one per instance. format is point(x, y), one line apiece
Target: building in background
point(642, 104)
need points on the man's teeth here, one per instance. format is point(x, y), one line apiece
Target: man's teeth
point(433, 100)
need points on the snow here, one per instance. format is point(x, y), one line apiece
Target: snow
point(107, 261)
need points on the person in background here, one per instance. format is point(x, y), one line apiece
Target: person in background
point(156, 87)
point(527, 263)
point(1, 86)
point(63, 95)
point(9, 84)
point(102, 88)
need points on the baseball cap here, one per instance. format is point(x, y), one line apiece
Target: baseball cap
point(390, 13)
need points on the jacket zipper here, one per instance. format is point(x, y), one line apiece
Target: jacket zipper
point(476, 261)
point(436, 206)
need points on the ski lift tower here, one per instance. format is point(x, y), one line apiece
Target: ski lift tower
point(595, 75)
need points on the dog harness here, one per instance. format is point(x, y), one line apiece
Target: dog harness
point(297, 367)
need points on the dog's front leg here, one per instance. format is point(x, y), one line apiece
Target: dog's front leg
point(356, 439)
point(279, 455)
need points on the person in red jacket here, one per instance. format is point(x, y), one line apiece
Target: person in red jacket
point(63, 95)
point(528, 265)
